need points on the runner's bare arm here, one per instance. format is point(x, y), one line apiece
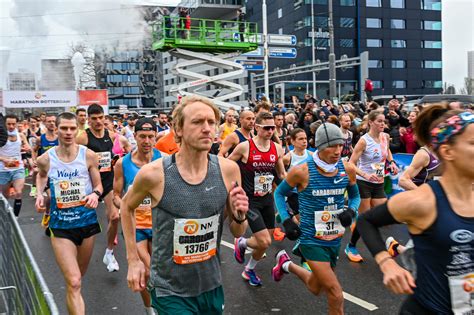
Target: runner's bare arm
point(239, 151)
point(125, 144)
point(420, 160)
point(287, 159)
point(118, 183)
point(351, 172)
point(24, 143)
point(82, 139)
point(280, 167)
point(358, 150)
point(41, 181)
point(93, 166)
point(298, 176)
point(229, 142)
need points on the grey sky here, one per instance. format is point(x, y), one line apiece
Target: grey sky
point(26, 52)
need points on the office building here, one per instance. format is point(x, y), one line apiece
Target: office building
point(22, 81)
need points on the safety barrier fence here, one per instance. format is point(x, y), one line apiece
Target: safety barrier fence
point(22, 286)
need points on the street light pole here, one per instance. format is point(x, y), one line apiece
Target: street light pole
point(265, 48)
point(332, 56)
point(313, 47)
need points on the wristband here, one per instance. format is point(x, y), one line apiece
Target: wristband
point(237, 220)
point(98, 193)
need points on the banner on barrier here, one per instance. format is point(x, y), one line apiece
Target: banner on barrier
point(403, 160)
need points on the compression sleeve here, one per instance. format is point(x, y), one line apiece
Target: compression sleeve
point(368, 224)
point(354, 197)
point(282, 190)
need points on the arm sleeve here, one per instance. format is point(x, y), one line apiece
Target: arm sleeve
point(354, 197)
point(282, 190)
point(368, 224)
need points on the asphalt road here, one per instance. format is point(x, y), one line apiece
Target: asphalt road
point(107, 293)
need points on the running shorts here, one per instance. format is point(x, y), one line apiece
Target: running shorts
point(10, 176)
point(368, 190)
point(207, 303)
point(412, 307)
point(320, 253)
point(77, 235)
point(143, 234)
point(107, 183)
point(261, 214)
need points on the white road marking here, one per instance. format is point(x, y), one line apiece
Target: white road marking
point(364, 304)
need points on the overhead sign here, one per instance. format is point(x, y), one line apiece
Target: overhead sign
point(28, 99)
point(88, 97)
point(276, 39)
point(257, 38)
point(254, 53)
point(276, 52)
point(255, 65)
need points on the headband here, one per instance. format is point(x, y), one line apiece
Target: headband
point(450, 127)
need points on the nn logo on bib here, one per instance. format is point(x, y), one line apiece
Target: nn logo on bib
point(192, 227)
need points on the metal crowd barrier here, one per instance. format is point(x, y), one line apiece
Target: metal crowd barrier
point(23, 289)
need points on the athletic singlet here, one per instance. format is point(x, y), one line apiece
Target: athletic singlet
point(429, 172)
point(130, 137)
point(444, 256)
point(160, 129)
point(320, 203)
point(130, 170)
point(298, 159)
point(33, 137)
point(283, 137)
point(259, 171)
point(117, 148)
point(347, 146)
point(372, 160)
point(103, 148)
point(241, 139)
point(46, 144)
point(187, 232)
point(227, 130)
point(12, 150)
point(70, 183)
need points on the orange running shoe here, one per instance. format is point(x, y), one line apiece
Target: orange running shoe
point(278, 235)
point(353, 254)
point(45, 220)
point(392, 246)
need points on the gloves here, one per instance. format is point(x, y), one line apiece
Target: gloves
point(292, 229)
point(346, 217)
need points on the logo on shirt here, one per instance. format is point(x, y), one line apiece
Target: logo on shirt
point(338, 180)
point(272, 157)
point(257, 157)
point(461, 236)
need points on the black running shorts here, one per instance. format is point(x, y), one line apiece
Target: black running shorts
point(368, 190)
point(261, 214)
point(76, 235)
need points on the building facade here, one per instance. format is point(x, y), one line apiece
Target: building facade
point(57, 75)
point(22, 81)
point(403, 38)
point(470, 69)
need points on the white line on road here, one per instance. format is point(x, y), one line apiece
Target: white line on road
point(364, 304)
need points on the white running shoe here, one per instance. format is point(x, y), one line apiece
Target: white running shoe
point(111, 263)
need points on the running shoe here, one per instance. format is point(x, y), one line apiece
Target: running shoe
point(277, 271)
point(278, 234)
point(45, 220)
point(278, 218)
point(33, 191)
point(251, 277)
point(11, 192)
point(239, 251)
point(306, 266)
point(111, 263)
point(353, 254)
point(392, 246)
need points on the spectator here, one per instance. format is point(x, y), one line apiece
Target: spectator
point(369, 88)
point(241, 26)
point(407, 135)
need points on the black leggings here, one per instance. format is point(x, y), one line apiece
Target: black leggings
point(412, 307)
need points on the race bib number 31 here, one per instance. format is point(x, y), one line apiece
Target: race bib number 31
point(195, 240)
point(105, 161)
point(327, 225)
point(70, 193)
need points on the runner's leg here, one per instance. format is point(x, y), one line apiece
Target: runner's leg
point(18, 185)
point(113, 220)
point(84, 253)
point(144, 255)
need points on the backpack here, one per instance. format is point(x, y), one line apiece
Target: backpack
point(3, 131)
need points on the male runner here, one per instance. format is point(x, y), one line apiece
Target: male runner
point(162, 122)
point(128, 131)
point(201, 190)
point(345, 122)
point(32, 135)
point(81, 115)
point(280, 131)
point(321, 182)
point(99, 140)
point(12, 171)
point(260, 161)
point(125, 171)
point(247, 122)
point(228, 126)
point(75, 188)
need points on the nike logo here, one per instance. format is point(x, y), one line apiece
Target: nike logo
point(106, 140)
point(210, 188)
point(337, 181)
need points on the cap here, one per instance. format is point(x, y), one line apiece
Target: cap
point(143, 121)
point(132, 116)
point(328, 135)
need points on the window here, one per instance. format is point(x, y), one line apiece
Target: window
point(280, 13)
point(431, 5)
point(374, 3)
point(316, 2)
point(431, 44)
point(399, 84)
point(377, 84)
point(347, 3)
point(280, 31)
point(346, 43)
point(374, 43)
point(373, 23)
point(432, 64)
point(399, 64)
point(431, 25)
point(347, 22)
point(375, 63)
point(432, 84)
point(398, 43)
point(397, 4)
point(321, 21)
point(322, 42)
point(397, 24)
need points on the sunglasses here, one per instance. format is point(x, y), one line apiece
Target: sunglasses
point(267, 127)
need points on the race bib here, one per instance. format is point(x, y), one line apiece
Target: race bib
point(263, 183)
point(105, 161)
point(195, 240)
point(379, 169)
point(462, 294)
point(327, 225)
point(70, 193)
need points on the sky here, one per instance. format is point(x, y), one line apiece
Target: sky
point(105, 24)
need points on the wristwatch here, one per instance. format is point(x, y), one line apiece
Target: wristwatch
point(98, 193)
point(237, 220)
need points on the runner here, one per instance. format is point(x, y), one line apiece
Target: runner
point(32, 135)
point(247, 122)
point(424, 167)
point(260, 161)
point(187, 220)
point(370, 154)
point(129, 129)
point(99, 140)
point(322, 181)
point(75, 189)
point(440, 220)
point(281, 132)
point(345, 122)
point(121, 145)
point(81, 120)
point(125, 171)
point(228, 126)
point(12, 171)
point(162, 122)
